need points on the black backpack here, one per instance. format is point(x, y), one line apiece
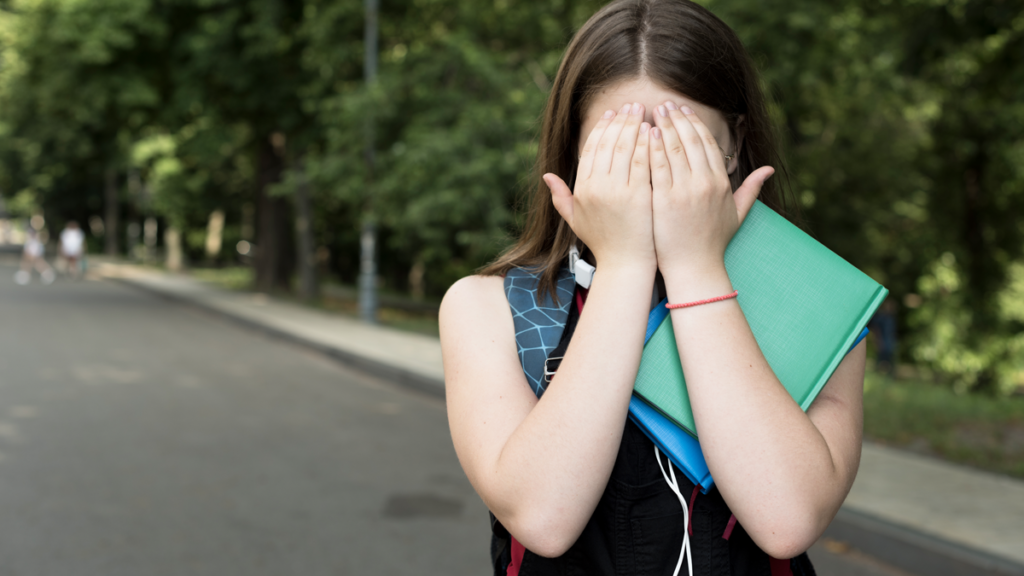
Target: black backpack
point(637, 527)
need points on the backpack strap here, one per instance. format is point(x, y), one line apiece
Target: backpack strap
point(538, 322)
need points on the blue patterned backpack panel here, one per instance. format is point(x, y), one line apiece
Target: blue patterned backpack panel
point(538, 324)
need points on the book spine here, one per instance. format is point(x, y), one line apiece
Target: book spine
point(838, 355)
point(669, 417)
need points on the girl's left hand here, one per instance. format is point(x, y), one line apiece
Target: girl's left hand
point(696, 212)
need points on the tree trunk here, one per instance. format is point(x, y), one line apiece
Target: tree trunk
point(304, 237)
point(112, 208)
point(275, 258)
point(214, 236)
point(416, 286)
point(172, 245)
point(984, 272)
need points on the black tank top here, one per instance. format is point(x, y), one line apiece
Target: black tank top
point(637, 527)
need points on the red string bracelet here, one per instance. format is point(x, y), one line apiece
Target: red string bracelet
point(707, 301)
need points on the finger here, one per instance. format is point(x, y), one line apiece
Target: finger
point(749, 190)
point(674, 150)
point(606, 146)
point(587, 154)
point(640, 165)
point(626, 144)
point(661, 171)
point(692, 142)
point(712, 151)
point(561, 196)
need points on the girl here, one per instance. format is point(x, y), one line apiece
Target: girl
point(654, 145)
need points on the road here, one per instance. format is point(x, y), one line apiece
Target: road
point(139, 436)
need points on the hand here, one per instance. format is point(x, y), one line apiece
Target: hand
point(696, 212)
point(610, 208)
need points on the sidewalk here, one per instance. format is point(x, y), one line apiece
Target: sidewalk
point(410, 359)
point(920, 514)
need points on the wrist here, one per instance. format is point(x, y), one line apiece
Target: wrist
point(692, 284)
point(624, 278)
point(640, 267)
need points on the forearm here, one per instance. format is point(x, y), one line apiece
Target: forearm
point(554, 467)
point(771, 463)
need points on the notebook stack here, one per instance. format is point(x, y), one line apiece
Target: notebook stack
point(806, 307)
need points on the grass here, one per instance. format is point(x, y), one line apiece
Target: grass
point(420, 323)
point(230, 278)
point(241, 278)
point(977, 430)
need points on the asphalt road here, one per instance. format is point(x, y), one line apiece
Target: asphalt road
point(139, 436)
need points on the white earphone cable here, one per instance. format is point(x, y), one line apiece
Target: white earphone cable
point(674, 486)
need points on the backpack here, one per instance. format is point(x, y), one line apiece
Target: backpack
point(638, 511)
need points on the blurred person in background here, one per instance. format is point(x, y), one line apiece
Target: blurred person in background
point(884, 326)
point(72, 243)
point(33, 256)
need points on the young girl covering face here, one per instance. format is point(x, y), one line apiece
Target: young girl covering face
point(654, 146)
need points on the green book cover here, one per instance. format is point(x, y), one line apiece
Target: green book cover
point(805, 305)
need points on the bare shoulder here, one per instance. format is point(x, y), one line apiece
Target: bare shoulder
point(471, 292)
point(473, 302)
point(476, 325)
point(485, 388)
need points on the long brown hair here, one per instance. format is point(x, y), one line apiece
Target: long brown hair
point(678, 45)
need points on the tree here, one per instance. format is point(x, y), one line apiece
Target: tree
point(74, 90)
point(461, 88)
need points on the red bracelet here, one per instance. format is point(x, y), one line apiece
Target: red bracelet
point(699, 302)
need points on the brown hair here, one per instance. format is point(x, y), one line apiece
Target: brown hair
point(678, 45)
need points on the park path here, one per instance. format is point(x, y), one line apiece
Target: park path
point(139, 436)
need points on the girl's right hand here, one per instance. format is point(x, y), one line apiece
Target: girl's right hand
point(610, 209)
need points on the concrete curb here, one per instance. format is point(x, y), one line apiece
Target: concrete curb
point(918, 553)
point(391, 373)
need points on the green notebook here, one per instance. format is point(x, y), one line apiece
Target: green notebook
point(805, 305)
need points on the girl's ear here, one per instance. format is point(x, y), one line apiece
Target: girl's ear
point(738, 133)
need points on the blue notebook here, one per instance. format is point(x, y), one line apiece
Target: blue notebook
point(680, 447)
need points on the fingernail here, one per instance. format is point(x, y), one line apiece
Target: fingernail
point(644, 127)
point(635, 109)
point(671, 105)
point(662, 111)
point(609, 114)
point(625, 109)
point(686, 110)
point(656, 133)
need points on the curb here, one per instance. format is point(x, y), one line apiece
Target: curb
point(910, 550)
point(394, 374)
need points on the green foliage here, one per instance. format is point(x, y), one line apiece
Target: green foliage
point(448, 166)
point(455, 111)
point(947, 339)
point(23, 204)
point(74, 88)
